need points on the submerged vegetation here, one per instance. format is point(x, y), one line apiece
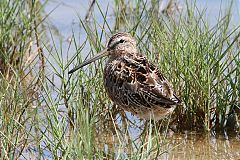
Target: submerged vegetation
point(46, 113)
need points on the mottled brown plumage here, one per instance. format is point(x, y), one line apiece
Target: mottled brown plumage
point(133, 82)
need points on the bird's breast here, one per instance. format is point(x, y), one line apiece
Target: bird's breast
point(114, 78)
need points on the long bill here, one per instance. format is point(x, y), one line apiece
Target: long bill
point(94, 58)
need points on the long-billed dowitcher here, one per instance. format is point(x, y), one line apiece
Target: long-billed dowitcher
point(132, 82)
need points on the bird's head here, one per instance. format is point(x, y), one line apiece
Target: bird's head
point(121, 43)
point(118, 44)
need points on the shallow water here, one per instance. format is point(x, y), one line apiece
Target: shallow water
point(178, 146)
point(186, 145)
point(202, 146)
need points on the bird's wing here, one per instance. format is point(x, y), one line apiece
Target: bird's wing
point(147, 86)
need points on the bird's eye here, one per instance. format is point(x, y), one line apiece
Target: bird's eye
point(121, 41)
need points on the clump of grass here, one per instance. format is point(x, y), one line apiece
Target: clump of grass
point(19, 74)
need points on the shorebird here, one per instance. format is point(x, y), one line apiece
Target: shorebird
point(133, 82)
